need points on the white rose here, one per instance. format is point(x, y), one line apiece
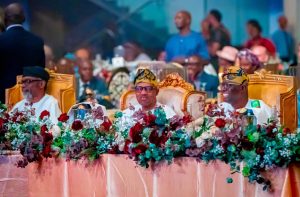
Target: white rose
point(214, 129)
point(200, 142)
point(199, 121)
point(55, 130)
point(206, 135)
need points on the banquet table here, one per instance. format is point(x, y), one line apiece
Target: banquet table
point(118, 175)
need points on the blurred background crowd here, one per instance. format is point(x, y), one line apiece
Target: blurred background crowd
point(102, 41)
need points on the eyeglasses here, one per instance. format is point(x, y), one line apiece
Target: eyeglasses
point(146, 88)
point(29, 81)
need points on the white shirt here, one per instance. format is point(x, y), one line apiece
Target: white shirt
point(81, 87)
point(48, 103)
point(262, 113)
point(127, 120)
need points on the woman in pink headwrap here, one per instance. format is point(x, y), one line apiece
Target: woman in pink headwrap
point(248, 61)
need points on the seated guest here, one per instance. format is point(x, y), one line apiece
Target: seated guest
point(226, 57)
point(261, 53)
point(197, 75)
point(134, 53)
point(34, 84)
point(248, 61)
point(146, 91)
point(235, 93)
point(254, 30)
point(88, 81)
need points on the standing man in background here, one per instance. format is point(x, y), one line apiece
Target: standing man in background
point(19, 48)
point(186, 42)
point(283, 40)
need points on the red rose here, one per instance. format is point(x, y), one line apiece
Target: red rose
point(44, 114)
point(286, 131)
point(126, 146)
point(220, 123)
point(77, 125)
point(187, 119)
point(149, 119)
point(135, 133)
point(63, 117)
point(44, 129)
point(1, 123)
point(141, 148)
point(158, 140)
point(106, 125)
point(260, 151)
point(153, 138)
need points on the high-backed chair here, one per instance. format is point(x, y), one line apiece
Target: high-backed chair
point(60, 86)
point(174, 92)
point(276, 90)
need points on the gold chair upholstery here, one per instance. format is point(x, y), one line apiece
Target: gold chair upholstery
point(176, 93)
point(60, 86)
point(276, 90)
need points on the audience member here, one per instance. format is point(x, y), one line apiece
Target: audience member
point(82, 54)
point(226, 57)
point(283, 40)
point(197, 75)
point(49, 57)
point(205, 29)
point(186, 42)
point(261, 53)
point(65, 66)
point(146, 91)
point(248, 61)
point(134, 53)
point(18, 48)
point(219, 35)
point(234, 89)
point(34, 84)
point(254, 30)
point(87, 82)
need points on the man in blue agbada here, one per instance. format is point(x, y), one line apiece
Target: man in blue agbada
point(186, 42)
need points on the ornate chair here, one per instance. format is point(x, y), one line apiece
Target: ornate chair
point(61, 86)
point(176, 93)
point(276, 90)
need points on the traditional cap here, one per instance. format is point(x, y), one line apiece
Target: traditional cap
point(235, 75)
point(253, 59)
point(146, 76)
point(228, 53)
point(36, 71)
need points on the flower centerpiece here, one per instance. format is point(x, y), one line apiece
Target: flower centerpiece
point(153, 137)
point(233, 140)
point(86, 138)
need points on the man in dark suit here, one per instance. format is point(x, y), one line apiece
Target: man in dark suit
point(87, 82)
point(18, 48)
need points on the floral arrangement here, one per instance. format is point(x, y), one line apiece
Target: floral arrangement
point(233, 140)
point(31, 136)
point(150, 137)
point(153, 137)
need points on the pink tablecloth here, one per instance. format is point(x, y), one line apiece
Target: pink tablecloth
point(116, 175)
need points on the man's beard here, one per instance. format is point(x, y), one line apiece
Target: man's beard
point(27, 96)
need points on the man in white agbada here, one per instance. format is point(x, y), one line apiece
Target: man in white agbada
point(146, 91)
point(34, 83)
point(235, 92)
